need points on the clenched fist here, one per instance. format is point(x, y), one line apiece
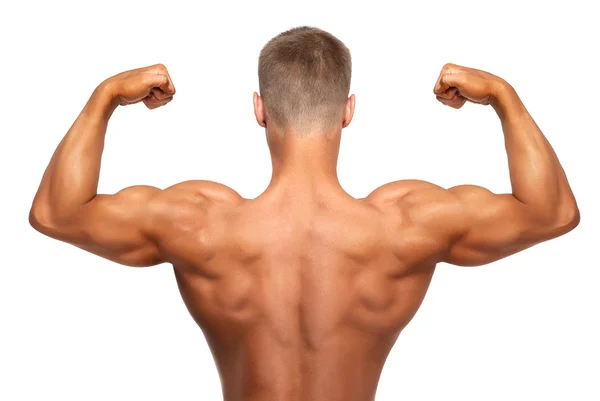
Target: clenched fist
point(457, 84)
point(151, 85)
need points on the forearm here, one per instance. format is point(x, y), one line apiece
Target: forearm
point(71, 178)
point(536, 175)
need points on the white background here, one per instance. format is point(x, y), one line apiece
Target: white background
point(77, 327)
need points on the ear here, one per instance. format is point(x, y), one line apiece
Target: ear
point(259, 111)
point(349, 111)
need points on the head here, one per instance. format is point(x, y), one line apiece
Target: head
point(304, 81)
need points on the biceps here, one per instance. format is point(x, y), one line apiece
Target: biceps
point(493, 227)
point(116, 227)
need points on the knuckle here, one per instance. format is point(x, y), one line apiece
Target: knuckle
point(449, 67)
point(444, 78)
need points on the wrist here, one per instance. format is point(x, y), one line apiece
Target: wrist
point(506, 102)
point(103, 101)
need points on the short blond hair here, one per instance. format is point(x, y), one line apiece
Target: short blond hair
point(304, 79)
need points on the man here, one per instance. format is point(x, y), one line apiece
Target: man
point(302, 291)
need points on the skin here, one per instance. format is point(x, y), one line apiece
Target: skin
point(304, 280)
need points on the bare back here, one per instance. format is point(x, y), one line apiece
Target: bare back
point(297, 297)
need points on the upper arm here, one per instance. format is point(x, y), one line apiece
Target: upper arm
point(117, 227)
point(488, 226)
point(470, 224)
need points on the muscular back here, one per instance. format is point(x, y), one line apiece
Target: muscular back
point(282, 285)
point(301, 294)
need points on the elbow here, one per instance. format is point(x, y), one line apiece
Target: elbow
point(47, 222)
point(568, 219)
point(41, 220)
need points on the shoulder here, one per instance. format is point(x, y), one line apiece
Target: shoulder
point(408, 191)
point(208, 190)
point(420, 201)
point(193, 195)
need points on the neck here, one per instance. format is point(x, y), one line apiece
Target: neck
point(304, 161)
